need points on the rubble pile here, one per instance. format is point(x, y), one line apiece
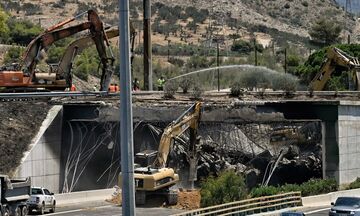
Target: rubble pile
point(247, 149)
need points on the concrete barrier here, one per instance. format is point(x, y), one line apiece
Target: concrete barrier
point(326, 199)
point(84, 196)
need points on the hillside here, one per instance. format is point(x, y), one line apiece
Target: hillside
point(243, 17)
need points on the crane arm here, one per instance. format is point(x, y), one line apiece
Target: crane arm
point(189, 119)
point(335, 57)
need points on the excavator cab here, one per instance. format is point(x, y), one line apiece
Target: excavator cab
point(145, 158)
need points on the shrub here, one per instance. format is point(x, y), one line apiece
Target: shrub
point(236, 90)
point(309, 188)
point(185, 84)
point(22, 31)
point(14, 55)
point(228, 187)
point(197, 92)
point(318, 186)
point(176, 61)
point(354, 184)
point(264, 191)
point(284, 82)
point(170, 89)
point(305, 3)
point(31, 9)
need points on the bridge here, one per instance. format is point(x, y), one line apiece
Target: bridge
point(339, 114)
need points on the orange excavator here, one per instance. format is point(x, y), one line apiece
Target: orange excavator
point(26, 77)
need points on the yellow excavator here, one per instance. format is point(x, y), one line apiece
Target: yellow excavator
point(152, 176)
point(336, 57)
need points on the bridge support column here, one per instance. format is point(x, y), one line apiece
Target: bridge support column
point(348, 142)
point(330, 150)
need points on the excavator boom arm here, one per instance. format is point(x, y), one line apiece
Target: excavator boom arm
point(189, 119)
point(335, 57)
point(53, 34)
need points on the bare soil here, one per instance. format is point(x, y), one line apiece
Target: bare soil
point(19, 122)
point(187, 200)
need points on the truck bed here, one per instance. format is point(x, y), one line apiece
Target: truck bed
point(15, 190)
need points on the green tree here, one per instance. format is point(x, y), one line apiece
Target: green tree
point(22, 31)
point(228, 187)
point(13, 55)
point(325, 32)
point(87, 63)
point(4, 30)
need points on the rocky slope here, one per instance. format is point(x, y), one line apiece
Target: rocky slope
point(294, 17)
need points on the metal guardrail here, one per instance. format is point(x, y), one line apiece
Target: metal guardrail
point(250, 206)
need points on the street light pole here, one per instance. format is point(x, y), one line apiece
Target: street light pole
point(126, 122)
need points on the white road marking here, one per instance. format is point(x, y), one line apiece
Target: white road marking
point(316, 211)
point(78, 210)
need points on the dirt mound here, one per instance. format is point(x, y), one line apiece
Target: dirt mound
point(19, 123)
point(188, 200)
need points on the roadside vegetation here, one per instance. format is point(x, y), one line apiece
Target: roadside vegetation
point(230, 186)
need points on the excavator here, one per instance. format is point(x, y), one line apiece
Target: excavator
point(152, 176)
point(336, 57)
point(26, 77)
point(64, 67)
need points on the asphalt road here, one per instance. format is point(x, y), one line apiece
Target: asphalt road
point(318, 212)
point(104, 209)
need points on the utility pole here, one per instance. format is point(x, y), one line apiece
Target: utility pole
point(147, 46)
point(218, 63)
point(255, 50)
point(285, 64)
point(169, 50)
point(126, 121)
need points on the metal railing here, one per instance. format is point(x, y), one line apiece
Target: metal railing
point(250, 206)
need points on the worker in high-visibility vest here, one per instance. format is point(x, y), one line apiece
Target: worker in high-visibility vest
point(72, 88)
point(117, 88)
point(161, 83)
point(112, 88)
point(136, 85)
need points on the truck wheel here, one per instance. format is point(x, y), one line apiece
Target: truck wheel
point(42, 209)
point(24, 211)
point(52, 210)
point(6, 212)
point(17, 211)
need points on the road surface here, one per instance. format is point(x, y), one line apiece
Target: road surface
point(106, 209)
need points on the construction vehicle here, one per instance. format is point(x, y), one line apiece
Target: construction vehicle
point(336, 58)
point(152, 176)
point(65, 64)
point(286, 136)
point(13, 196)
point(26, 77)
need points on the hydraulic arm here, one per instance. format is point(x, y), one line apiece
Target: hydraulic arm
point(336, 57)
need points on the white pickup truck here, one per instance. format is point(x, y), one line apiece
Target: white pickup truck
point(41, 200)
